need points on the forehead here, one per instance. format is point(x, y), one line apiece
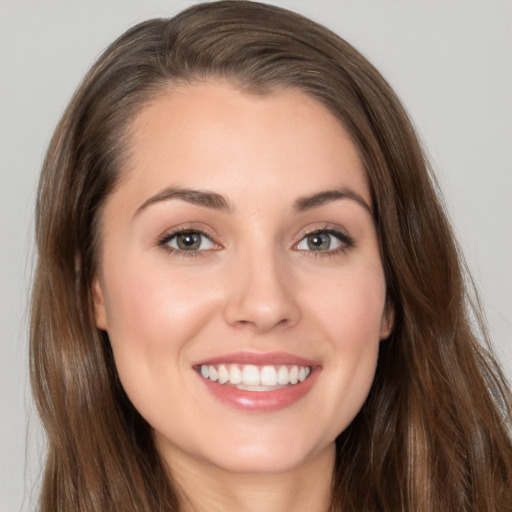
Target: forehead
point(213, 135)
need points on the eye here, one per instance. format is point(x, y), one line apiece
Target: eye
point(192, 241)
point(326, 240)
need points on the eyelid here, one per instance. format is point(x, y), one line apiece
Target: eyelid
point(320, 228)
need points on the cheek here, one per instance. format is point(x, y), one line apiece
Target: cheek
point(350, 315)
point(152, 316)
point(151, 306)
point(350, 305)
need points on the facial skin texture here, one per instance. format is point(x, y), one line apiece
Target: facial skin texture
point(257, 288)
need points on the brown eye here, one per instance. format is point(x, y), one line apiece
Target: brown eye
point(190, 241)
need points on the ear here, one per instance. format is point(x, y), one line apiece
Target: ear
point(100, 308)
point(388, 321)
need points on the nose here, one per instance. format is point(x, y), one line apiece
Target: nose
point(261, 295)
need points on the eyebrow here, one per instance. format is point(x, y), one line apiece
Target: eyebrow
point(199, 197)
point(218, 202)
point(321, 198)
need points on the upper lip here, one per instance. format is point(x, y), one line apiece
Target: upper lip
point(258, 359)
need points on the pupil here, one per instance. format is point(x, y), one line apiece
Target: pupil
point(318, 241)
point(188, 241)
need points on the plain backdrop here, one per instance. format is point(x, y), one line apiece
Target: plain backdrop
point(449, 61)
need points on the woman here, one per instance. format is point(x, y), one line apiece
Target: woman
point(248, 296)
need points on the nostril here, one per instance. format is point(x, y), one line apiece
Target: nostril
point(262, 300)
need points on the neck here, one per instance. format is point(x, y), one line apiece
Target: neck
point(205, 488)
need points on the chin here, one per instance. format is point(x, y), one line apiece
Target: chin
point(263, 460)
point(267, 452)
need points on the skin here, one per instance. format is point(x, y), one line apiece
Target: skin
point(257, 286)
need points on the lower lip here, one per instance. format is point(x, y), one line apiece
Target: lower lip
point(261, 401)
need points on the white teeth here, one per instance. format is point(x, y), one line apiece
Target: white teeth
point(304, 373)
point(251, 375)
point(268, 376)
point(223, 374)
point(255, 378)
point(294, 375)
point(283, 376)
point(235, 374)
point(212, 373)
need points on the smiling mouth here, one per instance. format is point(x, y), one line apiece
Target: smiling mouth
point(250, 377)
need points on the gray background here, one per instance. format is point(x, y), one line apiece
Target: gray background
point(450, 62)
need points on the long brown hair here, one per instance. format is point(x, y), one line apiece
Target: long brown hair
point(434, 433)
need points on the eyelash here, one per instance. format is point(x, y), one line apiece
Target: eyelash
point(346, 241)
point(164, 240)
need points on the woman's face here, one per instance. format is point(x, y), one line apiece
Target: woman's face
point(240, 279)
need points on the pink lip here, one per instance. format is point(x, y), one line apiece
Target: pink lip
point(259, 359)
point(261, 401)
